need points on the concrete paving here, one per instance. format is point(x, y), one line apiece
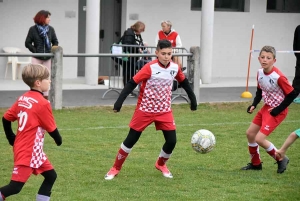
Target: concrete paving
point(76, 93)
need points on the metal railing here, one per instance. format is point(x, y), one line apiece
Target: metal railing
point(189, 59)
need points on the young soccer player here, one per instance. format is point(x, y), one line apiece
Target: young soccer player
point(278, 94)
point(288, 142)
point(154, 105)
point(34, 115)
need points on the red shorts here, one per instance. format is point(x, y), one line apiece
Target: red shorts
point(163, 121)
point(22, 173)
point(266, 121)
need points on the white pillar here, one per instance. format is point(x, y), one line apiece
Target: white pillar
point(92, 41)
point(206, 41)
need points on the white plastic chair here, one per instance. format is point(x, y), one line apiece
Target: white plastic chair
point(14, 61)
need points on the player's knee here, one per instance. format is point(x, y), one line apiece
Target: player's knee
point(250, 134)
point(170, 145)
point(171, 142)
point(13, 188)
point(50, 176)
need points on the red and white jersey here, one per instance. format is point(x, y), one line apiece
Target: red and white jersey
point(274, 85)
point(156, 86)
point(173, 37)
point(34, 115)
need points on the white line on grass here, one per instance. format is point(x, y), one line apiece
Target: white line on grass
point(177, 125)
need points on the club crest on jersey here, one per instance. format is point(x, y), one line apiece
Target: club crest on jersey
point(172, 72)
point(271, 82)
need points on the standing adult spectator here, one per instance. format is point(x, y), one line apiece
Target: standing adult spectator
point(132, 36)
point(296, 47)
point(40, 38)
point(170, 34)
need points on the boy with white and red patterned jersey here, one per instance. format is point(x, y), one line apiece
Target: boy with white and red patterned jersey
point(34, 115)
point(278, 94)
point(153, 106)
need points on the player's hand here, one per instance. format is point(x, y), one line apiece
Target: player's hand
point(117, 108)
point(193, 106)
point(280, 153)
point(58, 140)
point(273, 111)
point(250, 109)
point(11, 140)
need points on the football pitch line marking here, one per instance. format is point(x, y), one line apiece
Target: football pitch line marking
point(177, 125)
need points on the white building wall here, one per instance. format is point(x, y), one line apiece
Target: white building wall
point(16, 16)
point(232, 32)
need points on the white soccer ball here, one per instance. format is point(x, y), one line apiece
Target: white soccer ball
point(203, 141)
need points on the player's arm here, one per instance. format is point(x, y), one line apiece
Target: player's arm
point(143, 74)
point(8, 131)
point(256, 100)
point(290, 95)
point(48, 123)
point(285, 103)
point(288, 142)
point(56, 136)
point(129, 87)
point(188, 89)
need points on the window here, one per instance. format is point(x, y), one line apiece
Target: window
point(221, 5)
point(283, 6)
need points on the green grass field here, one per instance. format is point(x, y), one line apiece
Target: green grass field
point(92, 137)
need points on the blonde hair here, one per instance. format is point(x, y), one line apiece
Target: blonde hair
point(269, 49)
point(138, 25)
point(34, 72)
point(168, 22)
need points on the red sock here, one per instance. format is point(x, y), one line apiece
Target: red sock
point(2, 196)
point(120, 158)
point(272, 153)
point(161, 161)
point(255, 159)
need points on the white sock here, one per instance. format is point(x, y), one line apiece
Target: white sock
point(164, 154)
point(271, 147)
point(1, 199)
point(252, 144)
point(42, 198)
point(126, 149)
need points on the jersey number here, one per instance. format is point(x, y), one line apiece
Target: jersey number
point(23, 116)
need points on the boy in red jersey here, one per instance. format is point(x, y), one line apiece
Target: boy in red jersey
point(154, 105)
point(278, 94)
point(34, 115)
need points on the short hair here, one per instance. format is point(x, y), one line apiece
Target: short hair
point(34, 72)
point(40, 17)
point(138, 25)
point(168, 22)
point(163, 44)
point(269, 49)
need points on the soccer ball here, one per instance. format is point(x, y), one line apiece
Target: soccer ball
point(203, 141)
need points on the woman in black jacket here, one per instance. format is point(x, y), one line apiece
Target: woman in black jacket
point(40, 38)
point(132, 36)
